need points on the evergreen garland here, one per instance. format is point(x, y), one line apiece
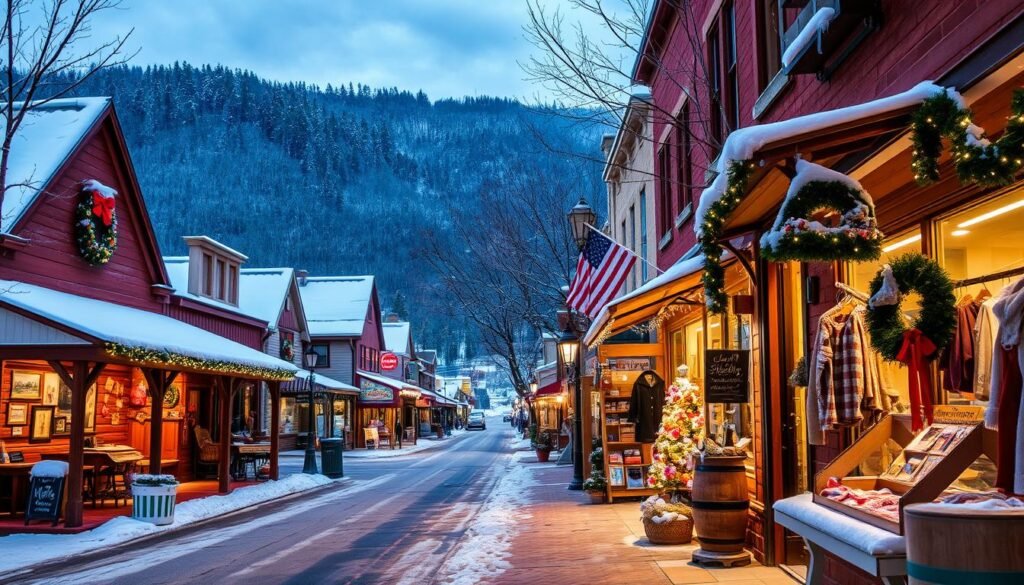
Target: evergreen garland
point(976, 159)
point(937, 319)
point(738, 175)
point(856, 238)
point(140, 355)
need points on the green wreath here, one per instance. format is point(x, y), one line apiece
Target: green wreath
point(287, 351)
point(795, 237)
point(96, 225)
point(937, 319)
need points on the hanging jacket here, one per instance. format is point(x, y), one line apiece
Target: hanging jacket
point(985, 330)
point(646, 404)
point(958, 358)
point(1005, 411)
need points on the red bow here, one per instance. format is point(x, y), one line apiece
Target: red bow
point(914, 353)
point(103, 208)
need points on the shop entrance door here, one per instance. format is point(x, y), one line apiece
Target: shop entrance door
point(795, 469)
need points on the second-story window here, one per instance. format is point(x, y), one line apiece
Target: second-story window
point(632, 244)
point(715, 85)
point(643, 234)
point(323, 352)
point(732, 88)
point(769, 42)
point(664, 207)
point(684, 141)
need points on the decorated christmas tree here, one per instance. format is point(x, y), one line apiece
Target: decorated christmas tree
point(679, 437)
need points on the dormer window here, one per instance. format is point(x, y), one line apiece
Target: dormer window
point(213, 269)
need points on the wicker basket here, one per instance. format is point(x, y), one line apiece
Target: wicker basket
point(675, 532)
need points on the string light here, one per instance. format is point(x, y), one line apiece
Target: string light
point(141, 356)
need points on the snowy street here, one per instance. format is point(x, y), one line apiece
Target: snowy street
point(399, 521)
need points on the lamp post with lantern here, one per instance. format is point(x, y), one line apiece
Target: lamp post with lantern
point(309, 359)
point(581, 220)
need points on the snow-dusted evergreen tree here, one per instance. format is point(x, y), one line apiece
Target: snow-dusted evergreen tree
point(680, 435)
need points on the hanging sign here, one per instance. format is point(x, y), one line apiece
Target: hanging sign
point(630, 364)
point(45, 495)
point(388, 361)
point(727, 375)
point(370, 391)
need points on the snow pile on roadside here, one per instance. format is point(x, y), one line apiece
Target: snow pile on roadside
point(483, 553)
point(516, 444)
point(24, 550)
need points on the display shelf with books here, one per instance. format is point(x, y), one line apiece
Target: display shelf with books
point(626, 459)
point(923, 465)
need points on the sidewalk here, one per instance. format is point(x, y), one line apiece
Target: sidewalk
point(423, 444)
point(566, 540)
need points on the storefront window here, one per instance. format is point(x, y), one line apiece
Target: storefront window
point(975, 244)
point(341, 417)
point(287, 415)
point(894, 378)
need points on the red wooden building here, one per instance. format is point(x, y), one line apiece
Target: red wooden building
point(96, 347)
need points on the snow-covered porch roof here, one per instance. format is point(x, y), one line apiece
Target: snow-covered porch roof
point(42, 323)
point(323, 384)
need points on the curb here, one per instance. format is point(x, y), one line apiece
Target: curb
point(23, 573)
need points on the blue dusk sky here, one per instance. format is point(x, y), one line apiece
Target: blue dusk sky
point(448, 48)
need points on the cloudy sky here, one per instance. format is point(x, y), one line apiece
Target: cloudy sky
point(445, 47)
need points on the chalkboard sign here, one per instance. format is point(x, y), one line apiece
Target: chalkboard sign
point(727, 375)
point(16, 457)
point(45, 495)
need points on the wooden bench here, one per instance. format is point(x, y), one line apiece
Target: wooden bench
point(877, 552)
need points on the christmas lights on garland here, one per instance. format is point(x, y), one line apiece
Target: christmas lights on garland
point(976, 159)
point(738, 174)
point(150, 356)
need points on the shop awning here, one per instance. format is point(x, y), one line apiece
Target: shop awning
point(323, 385)
point(642, 304)
point(552, 389)
point(79, 326)
point(404, 389)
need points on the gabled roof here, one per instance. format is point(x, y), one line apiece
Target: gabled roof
point(398, 337)
point(337, 306)
point(46, 139)
point(427, 355)
point(136, 335)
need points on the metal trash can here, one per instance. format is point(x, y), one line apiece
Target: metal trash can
point(331, 457)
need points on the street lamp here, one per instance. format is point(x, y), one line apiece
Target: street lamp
point(309, 464)
point(580, 218)
point(533, 385)
point(569, 351)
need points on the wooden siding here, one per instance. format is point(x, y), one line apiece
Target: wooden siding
point(243, 332)
point(20, 330)
point(52, 259)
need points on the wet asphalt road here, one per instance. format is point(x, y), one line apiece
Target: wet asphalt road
point(395, 523)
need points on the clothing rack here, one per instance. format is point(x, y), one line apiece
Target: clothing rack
point(849, 290)
point(989, 277)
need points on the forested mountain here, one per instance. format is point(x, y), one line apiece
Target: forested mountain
point(338, 180)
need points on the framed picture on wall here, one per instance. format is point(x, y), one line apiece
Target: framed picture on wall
point(60, 426)
point(90, 409)
point(41, 425)
point(51, 388)
point(616, 476)
point(17, 414)
point(26, 385)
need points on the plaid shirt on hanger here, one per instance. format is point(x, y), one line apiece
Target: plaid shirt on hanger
point(850, 371)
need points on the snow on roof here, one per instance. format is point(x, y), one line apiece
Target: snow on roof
point(682, 268)
point(743, 143)
point(262, 292)
point(427, 355)
point(326, 382)
point(46, 138)
point(396, 337)
point(819, 21)
point(337, 305)
point(389, 382)
point(133, 328)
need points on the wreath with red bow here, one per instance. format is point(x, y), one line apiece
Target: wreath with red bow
point(96, 223)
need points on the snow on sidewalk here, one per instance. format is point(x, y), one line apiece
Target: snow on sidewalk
point(385, 453)
point(484, 552)
point(24, 550)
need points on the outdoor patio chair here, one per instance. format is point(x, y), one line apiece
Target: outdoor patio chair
point(207, 451)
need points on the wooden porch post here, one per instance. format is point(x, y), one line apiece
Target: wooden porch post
point(158, 381)
point(79, 380)
point(275, 428)
point(227, 389)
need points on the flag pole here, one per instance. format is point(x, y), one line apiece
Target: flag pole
point(607, 237)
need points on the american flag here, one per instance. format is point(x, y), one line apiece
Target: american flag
point(600, 272)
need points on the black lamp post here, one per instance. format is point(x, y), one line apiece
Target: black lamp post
point(569, 351)
point(309, 464)
point(581, 218)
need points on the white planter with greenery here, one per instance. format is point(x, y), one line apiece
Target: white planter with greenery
point(153, 498)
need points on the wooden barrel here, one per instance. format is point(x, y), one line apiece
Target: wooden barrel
point(946, 545)
point(720, 504)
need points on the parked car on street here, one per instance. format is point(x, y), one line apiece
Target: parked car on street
point(476, 421)
point(506, 417)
